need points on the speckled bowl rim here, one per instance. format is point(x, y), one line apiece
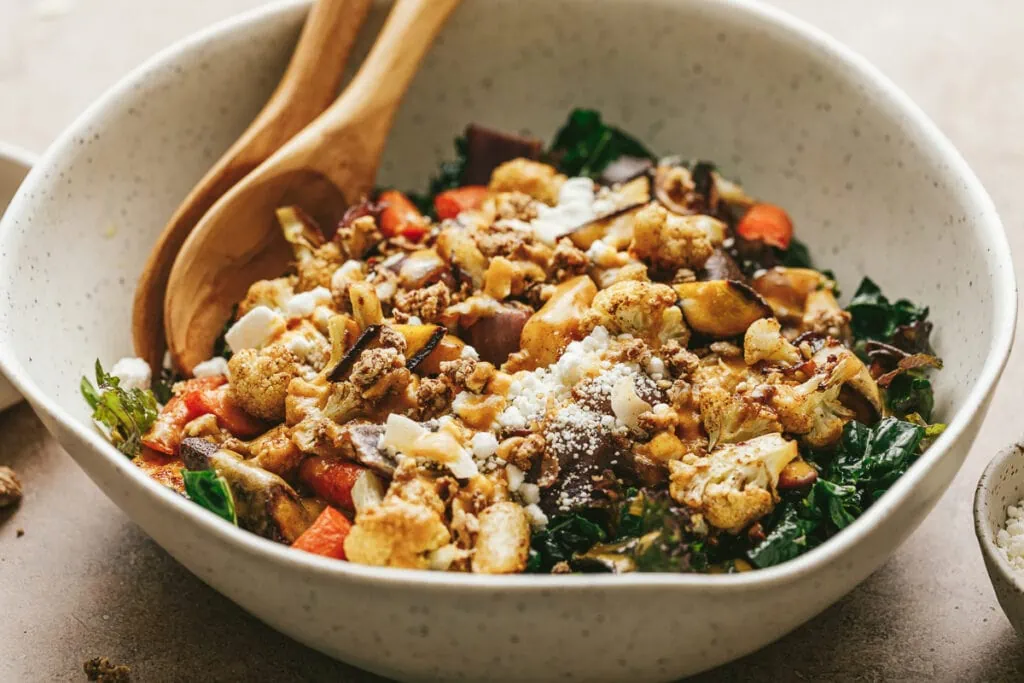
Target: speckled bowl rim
point(1004, 302)
point(985, 533)
point(19, 156)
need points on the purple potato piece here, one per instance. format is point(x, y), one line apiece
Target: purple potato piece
point(496, 337)
point(486, 149)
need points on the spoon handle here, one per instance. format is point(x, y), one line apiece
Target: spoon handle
point(346, 141)
point(309, 85)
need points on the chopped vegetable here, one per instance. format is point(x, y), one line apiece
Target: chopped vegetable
point(229, 416)
point(451, 203)
point(326, 536)
point(331, 478)
point(875, 318)
point(767, 223)
point(123, 414)
point(210, 491)
point(585, 145)
point(564, 536)
point(400, 216)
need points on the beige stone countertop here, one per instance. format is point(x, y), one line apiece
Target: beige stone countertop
point(84, 581)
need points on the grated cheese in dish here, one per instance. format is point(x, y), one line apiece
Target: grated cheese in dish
point(1010, 539)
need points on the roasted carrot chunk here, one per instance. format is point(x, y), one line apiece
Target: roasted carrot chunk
point(400, 216)
point(326, 536)
point(767, 223)
point(451, 203)
point(331, 479)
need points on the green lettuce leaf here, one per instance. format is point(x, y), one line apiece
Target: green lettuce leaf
point(210, 491)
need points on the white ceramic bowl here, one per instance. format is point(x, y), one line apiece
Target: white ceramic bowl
point(14, 166)
point(873, 186)
point(1001, 484)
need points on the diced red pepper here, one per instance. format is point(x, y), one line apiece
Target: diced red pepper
point(767, 223)
point(166, 433)
point(197, 397)
point(400, 216)
point(229, 416)
point(326, 536)
point(331, 479)
point(451, 203)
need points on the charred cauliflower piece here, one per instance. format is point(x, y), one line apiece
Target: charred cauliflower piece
point(669, 242)
point(644, 309)
point(273, 294)
point(402, 531)
point(532, 178)
point(259, 379)
point(813, 409)
point(730, 417)
point(317, 269)
point(763, 341)
point(734, 485)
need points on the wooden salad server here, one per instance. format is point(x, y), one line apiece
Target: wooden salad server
point(328, 166)
point(309, 85)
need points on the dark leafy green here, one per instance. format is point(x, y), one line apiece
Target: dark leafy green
point(449, 176)
point(874, 317)
point(796, 256)
point(210, 491)
point(124, 415)
point(862, 466)
point(162, 385)
point(911, 392)
point(585, 145)
point(564, 536)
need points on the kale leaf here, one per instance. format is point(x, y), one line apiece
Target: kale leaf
point(124, 415)
point(585, 145)
point(564, 536)
point(796, 256)
point(874, 317)
point(873, 458)
point(792, 534)
point(210, 491)
point(910, 392)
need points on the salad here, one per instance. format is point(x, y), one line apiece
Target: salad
point(575, 357)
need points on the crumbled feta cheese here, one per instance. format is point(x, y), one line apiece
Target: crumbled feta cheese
point(303, 304)
point(348, 272)
point(299, 345)
point(469, 353)
point(515, 477)
point(385, 290)
point(656, 366)
point(400, 433)
point(575, 207)
point(602, 254)
point(211, 368)
point(133, 373)
point(484, 445)
point(414, 320)
point(254, 329)
point(530, 493)
point(538, 520)
point(1010, 539)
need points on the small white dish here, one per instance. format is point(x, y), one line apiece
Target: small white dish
point(14, 166)
point(1001, 484)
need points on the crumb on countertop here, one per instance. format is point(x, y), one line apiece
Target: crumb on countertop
point(19, 532)
point(10, 487)
point(103, 670)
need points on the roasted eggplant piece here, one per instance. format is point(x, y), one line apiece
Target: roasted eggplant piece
point(362, 444)
point(486, 149)
point(264, 502)
point(721, 266)
point(369, 337)
point(721, 308)
point(786, 290)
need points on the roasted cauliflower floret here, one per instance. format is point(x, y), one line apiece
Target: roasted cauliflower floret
point(259, 379)
point(402, 531)
point(643, 309)
point(813, 408)
point(316, 270)
point(668, 242)
point(763, 341)
point(273, 294)
point(822, 314)
point(731, 417)
point(734, 485)
point(540, 181)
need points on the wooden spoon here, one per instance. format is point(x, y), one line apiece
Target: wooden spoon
point(308, 87)
point(331, 164)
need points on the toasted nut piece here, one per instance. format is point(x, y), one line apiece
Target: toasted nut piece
point(503, 542)
point(10, 487)
point(721, 308)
